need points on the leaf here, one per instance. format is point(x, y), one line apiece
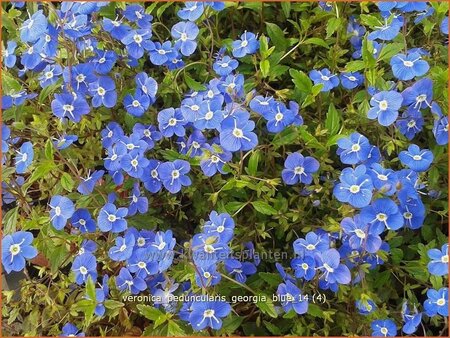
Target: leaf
point(354, 66)
point(277, 36)
point(253, 162)
point(67, 182)
point(301, 81)
point(332, 25)
point(272, 328)
point(231, 323)
point(41, 170)
point(389, 50)
point(113, 304)
point(90, 289)
point(194, 85)
point(149, 312)
point(264, 208)
point(49, 150)
point(332, 121)
point(316, 41)
point(173, 329)
point(369, 20)
point(47, 91)
point(265, 67)
point(286, 7)
point(267, 307)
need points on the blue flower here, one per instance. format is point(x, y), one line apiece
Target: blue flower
point(210, 114)
point(125, 281)
point(438, 265)
point(225, 65)
point(444, 26)
point(384, 180)
point(173, 175)
point(413, 212)
point(150, 177)
point(16, 248)
point(240, 270)
point(136, 105)
point(70, 330)
point(171, 121)
point(304, 267)
point(207, 276)
point(208, 314)
point(333, 271)
point(34, 27)
point(123, 248)
point(327, 6)
point(24, 157)
point(61, 209)
point(146, 85)
point(103, 92)
point(406, 67)
point(143, 263)
point(382, 214)
point(134, 163)
point(279, 117)
point(87, 184)
point(411, 320)
point(185, 34)
point(162, 53)
point(388, 30)
point(192, 10)
point(437, 302)
point(292, 298)
point(236, 133)
point(117, 29)
point(365, 307)
point(213, 160)
point(440, 126)
point(383, 328)
point(112, 219)
point(84, 266)
point(313, 243)
point(64, 141)
point(162, 245)
point(361, 234)
point(248, 44)
point(410, 123)
point(8, 56)
point(416, 159)
point(50, 75)
point(261, 105)
point(70, 106)
point(136, 13)
point(351, 80)
point(324, 77)
point(138, 41)
point(148, 133)
point(355, 187)
point(353, 149)
point(82, 219)
point(105, 61)
point(138, 203)
point(385, 106)
point(299, 169)
point(419, 94)
point(220, 226)
point(79, 77)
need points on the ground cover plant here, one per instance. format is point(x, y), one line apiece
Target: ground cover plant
point(209, 168)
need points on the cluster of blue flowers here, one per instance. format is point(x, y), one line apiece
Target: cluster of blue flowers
point(209, 126)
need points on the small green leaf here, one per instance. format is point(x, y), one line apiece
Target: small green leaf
point(332, 121)
point(277, 36)
point(264, 208)
point(253, 162)
point(194, 85)
point(264, 65)
point(67, 182)
point(301, 81)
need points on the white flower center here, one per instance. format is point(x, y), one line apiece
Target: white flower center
point(83, 270)
point(279, 117)
point(141, 265)
point(407, 215)
point(360, 234)
point(209, 115)
point(299, 170)
point(444, 259)
point(137, 38)
point(208, 313)
point(244, 43)
point(112, 218)
point(175, 174)
point(82, 222)
point(58, 211)
point(417, 157)
point(310, 247)
point(206, 274)
point(183, 37)
point(305, 266)
point(135, 103)
point(238, 132)
point(80, 78)
point(440, 301)
point(408, 63)
point(354, 189)
point(328, 268)
point(154, 173)
point(172, 122)
point(68, 107)
point(356, 147)
point(384, 330)
point(381, 217)
point(14, 249)
point(220, 229)
point(383, 105)
point(382, 177)
point(49, 75)
point(209, 248)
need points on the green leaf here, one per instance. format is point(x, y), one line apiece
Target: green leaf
point(267, 307)
point(40, 171)
point(389, 50)
point(191, 83)
point(47, 91)
point(332, 122)
point(369, 20)
point(272, 328)
point(354, 66)
point(90, 289)
point(264, 208)
point(277, 36)
point(253, 162)
point(149, 312)
point(332, 25)
point(287, 136)
point(286, 7)
point(49, 150)
point(301, 81)
point(231, 323)
point(173, 329)
point(316, 41)
point(113, 304)
point(67, 182)
point(264, 65)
